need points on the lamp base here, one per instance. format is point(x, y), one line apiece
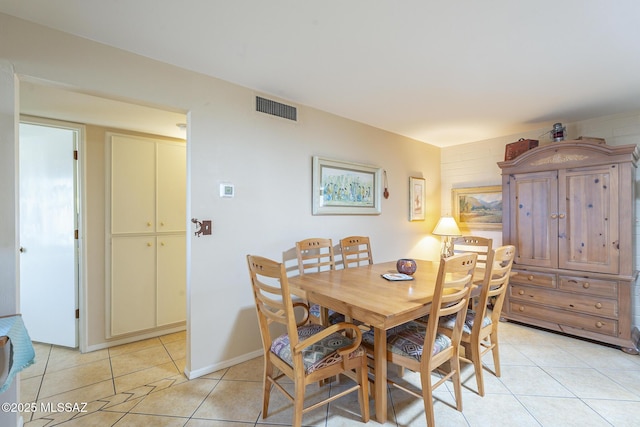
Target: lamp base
point(447, 247)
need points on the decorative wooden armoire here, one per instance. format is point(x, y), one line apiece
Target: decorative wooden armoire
point(568, 208)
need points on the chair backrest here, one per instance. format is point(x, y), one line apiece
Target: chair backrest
point(479, 245)
point(450, 297)
point(290, 261)
point(315, 254)
point(272, 297)
point(496, 280)
point(356, 251)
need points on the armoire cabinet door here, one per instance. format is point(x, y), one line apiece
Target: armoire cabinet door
point(534, 218)
point(133, 185)
point(588, 227)
point(172, 273)
point(133, 284)
point(172, 187)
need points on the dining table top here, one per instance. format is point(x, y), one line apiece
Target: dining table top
point(363, 294)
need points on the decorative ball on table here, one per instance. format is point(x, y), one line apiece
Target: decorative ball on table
point(406, 266)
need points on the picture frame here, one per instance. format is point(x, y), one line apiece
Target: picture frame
point(478, 207)
point(417, 194)
point(345, 188)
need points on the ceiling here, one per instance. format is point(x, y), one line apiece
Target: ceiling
point(442, 72)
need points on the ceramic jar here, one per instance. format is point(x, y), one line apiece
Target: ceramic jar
point(406, 266)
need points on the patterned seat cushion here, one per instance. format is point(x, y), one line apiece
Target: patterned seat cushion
point(334, 316)
point(314, 310)
point(318, 355)
point(408, 340)
point(450, 321)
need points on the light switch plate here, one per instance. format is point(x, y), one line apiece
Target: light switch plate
point(227, 190)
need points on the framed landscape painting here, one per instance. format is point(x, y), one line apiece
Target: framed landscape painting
point(478, 207)
point(345, 188)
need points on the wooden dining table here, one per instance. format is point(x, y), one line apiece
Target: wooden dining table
point(361, 293)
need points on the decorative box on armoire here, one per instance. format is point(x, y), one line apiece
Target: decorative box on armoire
point(568, 208)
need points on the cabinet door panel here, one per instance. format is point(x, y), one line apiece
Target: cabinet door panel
point(534, 229)
point(133, 199)
point(172, 279)
point(172, 187)
point(133, 284)
point(588, 233)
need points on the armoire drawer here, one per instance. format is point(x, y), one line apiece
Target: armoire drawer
point(545, 280)
point(585, 285)
point(597, 324)
point(573, 302)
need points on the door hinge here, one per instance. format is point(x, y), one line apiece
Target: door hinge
point(75, 234)
point(75, 154)
point(77, 313)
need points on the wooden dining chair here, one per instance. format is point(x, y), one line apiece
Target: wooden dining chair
point(306, 352)
point(479, 245)
point(315, 255)
point(420, 347)
point(480, 332)
point(356, 251)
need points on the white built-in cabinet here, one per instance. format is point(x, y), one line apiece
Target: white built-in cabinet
point(146, 254)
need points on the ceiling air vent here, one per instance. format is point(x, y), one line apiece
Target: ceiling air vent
point(276, 109)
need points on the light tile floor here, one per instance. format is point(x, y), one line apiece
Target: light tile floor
point(547, 380)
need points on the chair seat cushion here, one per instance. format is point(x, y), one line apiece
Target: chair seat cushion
point(408, 340)
point(449, 321)
point(334, 316)
point(320, 354)
point(314, 310)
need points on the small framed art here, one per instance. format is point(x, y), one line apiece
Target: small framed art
point(416, 198)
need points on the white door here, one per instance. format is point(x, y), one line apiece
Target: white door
point(48, 218)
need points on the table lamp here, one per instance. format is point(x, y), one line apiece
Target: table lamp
point(448, 228)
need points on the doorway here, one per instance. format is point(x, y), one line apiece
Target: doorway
point(50, 229)
point(98, 115)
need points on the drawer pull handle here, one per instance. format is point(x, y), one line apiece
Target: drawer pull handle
point(149, 224)
point(561, 216)
point(530, 277)
point(554, 216)
point(521, 292)
point(586, 285)
point(149, 244)
point(599, 324)
point(598, 305)
point(521, 308)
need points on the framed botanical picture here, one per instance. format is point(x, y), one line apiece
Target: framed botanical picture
point(478, 207)
point(416, 198)
point(345, 188)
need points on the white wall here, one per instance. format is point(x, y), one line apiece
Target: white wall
point(267, 159)
point(475, 164)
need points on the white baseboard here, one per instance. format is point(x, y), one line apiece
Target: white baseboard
point(135, 338)
point(222, 365)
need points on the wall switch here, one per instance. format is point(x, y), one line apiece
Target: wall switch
point(206, 227)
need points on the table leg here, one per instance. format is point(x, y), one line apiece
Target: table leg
point(380, 366)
